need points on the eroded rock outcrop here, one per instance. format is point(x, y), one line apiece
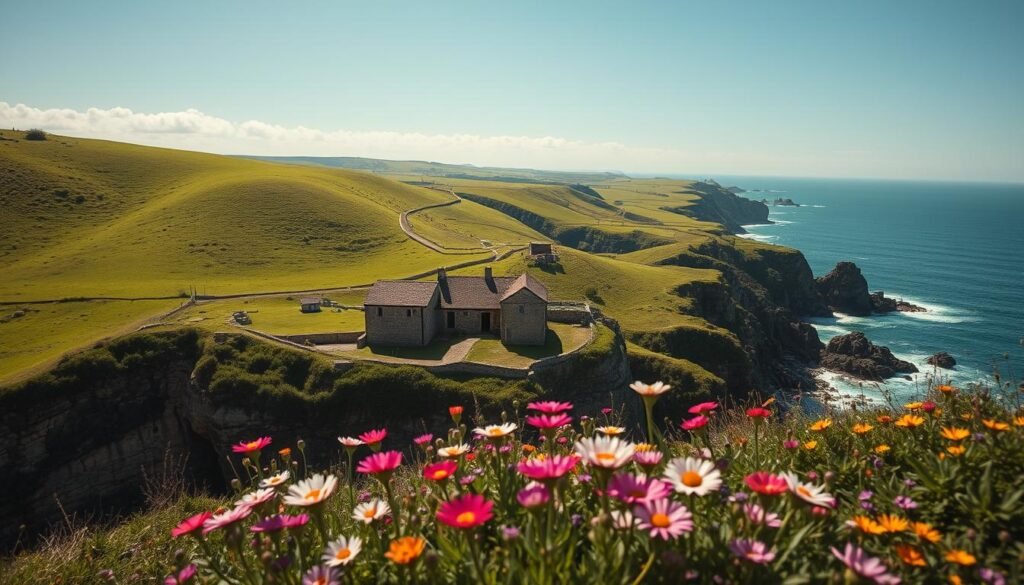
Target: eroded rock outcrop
point(845, 290)
point(855, 355)
point(942, 360)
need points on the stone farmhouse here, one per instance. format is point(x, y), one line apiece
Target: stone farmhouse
point(406, 312)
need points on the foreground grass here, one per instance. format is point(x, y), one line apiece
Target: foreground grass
point(278, 315)
point(561, 338)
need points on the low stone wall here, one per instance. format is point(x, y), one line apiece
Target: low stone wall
point(323, 338)
point(575, 312)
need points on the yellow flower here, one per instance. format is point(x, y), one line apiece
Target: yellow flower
point(883, 448)
point(955, 433)
point(861, 428)
point(405, 550)
point(913, 405)
point(961, 557)
point(910, 555)
point(956, 450)
point(810, 445)
point(821, 425)
point(641, 447)
point(924, 531)
point(910, 421)
point(995, 425)
point(893, 523)
point(867, 525)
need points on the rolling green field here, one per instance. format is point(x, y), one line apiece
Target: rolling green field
point(91, 218)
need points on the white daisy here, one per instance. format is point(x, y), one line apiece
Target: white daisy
point(495, 431)
point(342, 551)
point(655, 389)
point(606, 452)
point(454, 451)
point(369, 511)
point(276, 479)
point(611, 431)
point(810, 493)
point(349, 441)
point(257, 498)
point(311, 491)
point(693, 476)
point(622, 519)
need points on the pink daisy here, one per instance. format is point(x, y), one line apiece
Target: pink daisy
point(533, 495)
point(753, 551)
point(549, 421)
point(373, 437)
point(634, 489)
point(549, 468)
point(766, 483)
point(423, 439)
point(664, 518)
point(466, 511)
point(694, 423)
point(703, 407)
point(868, 567)
point(191, 524)
point(378, 463)
point(550, 406)
point(225, 519)
point(251, 446)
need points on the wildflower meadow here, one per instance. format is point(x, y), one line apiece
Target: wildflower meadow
point(925, 492)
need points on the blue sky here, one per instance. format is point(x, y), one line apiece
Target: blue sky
point(873, 89)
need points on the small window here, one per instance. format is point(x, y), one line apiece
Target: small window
point(380, 311)
point(522, 308)
point(408, 312)
point(465, 313)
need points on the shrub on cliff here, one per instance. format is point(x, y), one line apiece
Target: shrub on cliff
point(35, 134)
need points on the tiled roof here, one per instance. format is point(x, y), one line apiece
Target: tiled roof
point(400, 293)
point(474, 292)
point(529, 283)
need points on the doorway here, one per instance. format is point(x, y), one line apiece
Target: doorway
point(451, 319)
point(485, 322)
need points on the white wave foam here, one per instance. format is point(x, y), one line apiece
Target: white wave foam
point(819, 206)
point(759, 237)
point(757, 225)
point(935, 312)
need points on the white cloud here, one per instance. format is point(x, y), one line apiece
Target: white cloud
point(194, 130)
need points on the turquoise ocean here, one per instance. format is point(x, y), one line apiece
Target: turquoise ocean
point(956, 249)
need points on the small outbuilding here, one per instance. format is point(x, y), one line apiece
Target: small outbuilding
point(309, 304)
point(542, 252)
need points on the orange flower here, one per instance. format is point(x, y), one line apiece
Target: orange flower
point(861, 428)
point(883, 419)
point(910, 555)
point(945, 388)
point(924, 531)
point(967, 416)
point(285, 453)
point(995, 425)
point(811, 445)
point(956, 450)
point(641, 447)
point(405, 550)
point(867, 525)
point(955, 580)
point(961, 557)
point(1019, 421)
point(955, 433)
point(821, 425)
point(883, 448)
point(529, 448)
point(913, 405)
point(910, 421)
point(893, 523)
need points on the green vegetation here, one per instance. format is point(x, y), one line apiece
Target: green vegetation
point(561, 338)
point(33, 337)
point(279, 315)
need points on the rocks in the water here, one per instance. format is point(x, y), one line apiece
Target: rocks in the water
point(855, 355)
point(942, 360)
point(845, 290)
point(883, 304)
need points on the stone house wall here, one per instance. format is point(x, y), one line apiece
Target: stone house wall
point(525, 319)
point(400, 325)
point(468, 321)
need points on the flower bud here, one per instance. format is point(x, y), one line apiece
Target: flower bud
point(301, 445)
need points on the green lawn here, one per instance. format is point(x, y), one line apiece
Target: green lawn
point(278, 315)
point(34, 341)
point(561, 338)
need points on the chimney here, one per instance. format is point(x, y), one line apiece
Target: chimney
point(442, 275)
point(487, 273)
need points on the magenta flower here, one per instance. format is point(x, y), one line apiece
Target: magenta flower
point(280, 522)
point(753, 551)
point(251, 446)
point(550, 406)
point(226, 519)
point(868, 567)
point(184, 576)
point(466, 511)
point(766, 483)
point(423, 439)
point(440, 471)
point(758, 412)
point(694, 423)
point(533, 495)
point(606, 411)
point(905, 502)
point(648, 459)
point(635, 489)
point(791, 444)
point(321, 575)
point(758, 515)
point(373, 437)
point(549, 468)
point(190, 525)
point(703, 407)
point(549, 421)
point(664, 518)
point(379, 463)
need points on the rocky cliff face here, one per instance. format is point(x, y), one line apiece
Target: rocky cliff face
point(86, 433)
point(854, 354)
point(721, 205)
point(845, 290)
